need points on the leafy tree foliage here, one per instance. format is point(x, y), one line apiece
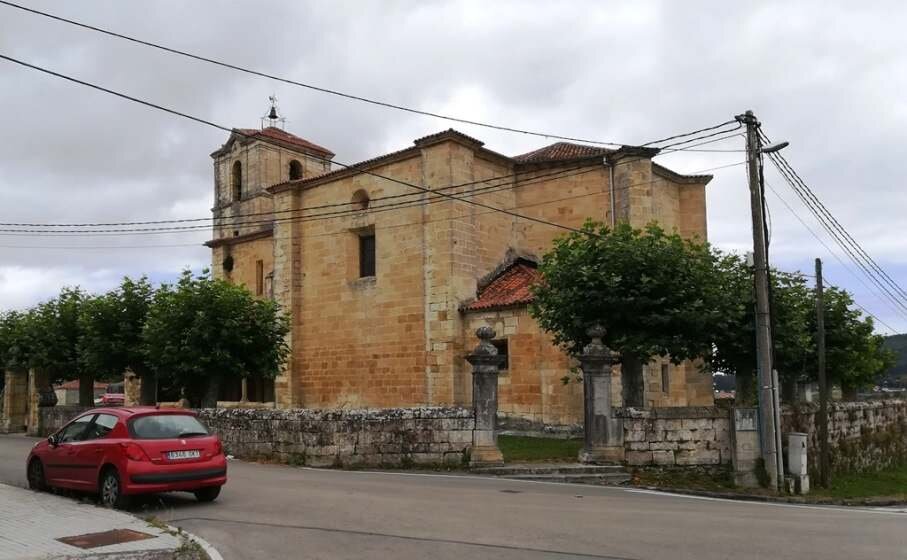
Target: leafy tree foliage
point(657, 294)
point(660, 295)
point(854, 354)
point(110, 339)
point(202, 331)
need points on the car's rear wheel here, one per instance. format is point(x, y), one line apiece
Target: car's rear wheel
point(207, 494)
point(110, 490)
point(36, 479)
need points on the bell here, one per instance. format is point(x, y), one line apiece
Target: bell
point(273, 114)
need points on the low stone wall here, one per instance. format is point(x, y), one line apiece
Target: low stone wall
point(52, 418)
point(864, 436)
point(677, 436)
point(347, 438)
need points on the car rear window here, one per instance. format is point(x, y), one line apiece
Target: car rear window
point(166, 426)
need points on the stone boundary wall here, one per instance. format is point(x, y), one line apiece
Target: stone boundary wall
point(52, 418)
point(347, 438)
point(676, 436)
point(864, 436)
point(395, 437)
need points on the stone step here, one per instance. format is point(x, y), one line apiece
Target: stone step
point(612, 478)
point(549, 469)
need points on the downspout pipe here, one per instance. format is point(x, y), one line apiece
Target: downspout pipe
point(611, 194)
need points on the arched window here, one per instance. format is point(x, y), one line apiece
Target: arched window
point(360, 200)
point(295, 170)
point(237, 181)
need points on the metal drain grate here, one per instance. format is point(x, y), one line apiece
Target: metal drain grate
point(105, 538)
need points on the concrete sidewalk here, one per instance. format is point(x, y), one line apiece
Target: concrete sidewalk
point(32, 522)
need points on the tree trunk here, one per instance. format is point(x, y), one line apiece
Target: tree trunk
point(209, 400)
point(788, 389)
point(745, 389)
point(86, 389)
point(632, 382)
point(849, 393)
point(148, 394)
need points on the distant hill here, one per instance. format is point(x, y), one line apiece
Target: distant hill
point(898, 343)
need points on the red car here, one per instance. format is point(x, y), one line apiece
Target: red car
point(115, 395)
point(120, 452)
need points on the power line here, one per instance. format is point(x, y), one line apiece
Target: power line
point(889, 280)
point(833, 254)
point(828, 283)
point(332, 91)
point(320, 216)
point(358, 168)
point(301, 84)
point(275, 212)
point(834, 232)
point(837, 224)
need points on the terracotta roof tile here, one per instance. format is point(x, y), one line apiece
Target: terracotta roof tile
point(511, 287)
point(561, 151)
point(284, 136)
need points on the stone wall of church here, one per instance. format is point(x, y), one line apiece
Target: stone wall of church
point(359, 341)
point(246, 268)
point(531, 391)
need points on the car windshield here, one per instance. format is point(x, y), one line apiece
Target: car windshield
point(166, 426)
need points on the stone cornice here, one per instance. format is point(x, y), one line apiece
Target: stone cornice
point(236, 240)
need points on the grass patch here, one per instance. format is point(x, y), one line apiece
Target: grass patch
point(521, 449)
point(888, 483)
point(688, 479)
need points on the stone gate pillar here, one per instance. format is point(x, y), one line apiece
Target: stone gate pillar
point(603, 434)
point(485, 362)
point(15, 402)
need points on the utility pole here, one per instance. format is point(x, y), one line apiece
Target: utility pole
point(764, 368)
point(823, 383)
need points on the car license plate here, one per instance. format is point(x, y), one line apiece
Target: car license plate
point(189, 454)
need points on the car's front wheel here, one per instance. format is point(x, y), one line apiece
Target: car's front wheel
point(36, 479)
point(207, 494)
point(111, 492)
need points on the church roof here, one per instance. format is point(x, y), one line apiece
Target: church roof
point(561, 151)
point(273, 134)
point(513, 286)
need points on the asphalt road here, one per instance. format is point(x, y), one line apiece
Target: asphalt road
point(269, 511)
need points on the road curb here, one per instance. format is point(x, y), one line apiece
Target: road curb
point(209, 549)
point(866, 502)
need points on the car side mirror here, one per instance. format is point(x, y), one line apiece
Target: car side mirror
point(53, 441)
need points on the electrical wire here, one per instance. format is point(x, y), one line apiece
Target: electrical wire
point(313, 217)
point(868, 259)
point(833, 254)
point(834, 232)
point(358, 167)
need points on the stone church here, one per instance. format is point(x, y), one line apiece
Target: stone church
point(386, 284)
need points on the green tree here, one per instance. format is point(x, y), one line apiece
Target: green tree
point(110, 339)
point(53, 334)
point(15, 340)
point(856, 357)
point(735, 348)
point(657, 294)
point(202, 331)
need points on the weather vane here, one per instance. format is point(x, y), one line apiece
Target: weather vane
point(273, 118)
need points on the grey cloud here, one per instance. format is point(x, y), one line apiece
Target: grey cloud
point(826, 77)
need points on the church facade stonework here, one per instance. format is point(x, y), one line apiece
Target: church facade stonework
point(386, 277)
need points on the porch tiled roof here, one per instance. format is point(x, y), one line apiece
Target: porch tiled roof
point(512, 287)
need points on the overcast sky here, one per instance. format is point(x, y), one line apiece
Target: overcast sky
point(829, 79)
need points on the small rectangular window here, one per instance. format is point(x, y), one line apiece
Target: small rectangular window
point(665, 378)
point(503, 350)
point(366, 255)
point(259, 278)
